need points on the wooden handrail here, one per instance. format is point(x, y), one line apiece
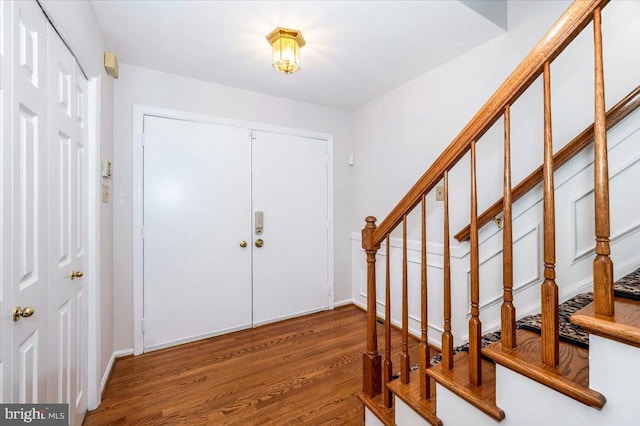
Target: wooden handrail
point(616, 114)
point(577, 16)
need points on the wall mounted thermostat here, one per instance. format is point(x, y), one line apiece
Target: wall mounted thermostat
point(106, 169)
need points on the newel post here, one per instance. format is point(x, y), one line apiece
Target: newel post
point(371, 371)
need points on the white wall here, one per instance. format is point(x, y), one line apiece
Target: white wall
point(152, 88)
point(399, 135)
point(78, 25)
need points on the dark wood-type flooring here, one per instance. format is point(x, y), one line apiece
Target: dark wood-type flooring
point(303, 371)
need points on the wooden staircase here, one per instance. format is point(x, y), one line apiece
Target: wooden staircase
point(472, 382)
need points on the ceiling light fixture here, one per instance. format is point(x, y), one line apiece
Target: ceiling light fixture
point(286, 46)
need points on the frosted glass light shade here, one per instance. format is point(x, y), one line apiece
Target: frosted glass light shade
point(286, 44)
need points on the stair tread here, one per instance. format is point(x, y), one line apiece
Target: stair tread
point(410, 394)
point(623, 327)
point(456, 380)
point(570, 377)
point(375, 404)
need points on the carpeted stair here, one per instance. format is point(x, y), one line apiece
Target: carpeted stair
point(627, 287)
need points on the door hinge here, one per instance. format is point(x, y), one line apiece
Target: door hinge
point(327, 224)
point(143, 138)
point(142, 232)
point(142, 325)
point(253, 134)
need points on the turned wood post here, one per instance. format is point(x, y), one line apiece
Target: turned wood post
point(425, 353)
point(475, 326)
point(508, 311)
point(405, 360)
point(549, 291)
point(371, 372)
point(447, 336)
point(387, 365)
point(602, 264)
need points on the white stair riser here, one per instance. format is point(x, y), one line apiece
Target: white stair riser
point(370, 419)
point(405, 416)
point(455, 411)
point(614, 371)
point(527, 402)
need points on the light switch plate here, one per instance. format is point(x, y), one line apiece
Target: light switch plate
point(106, 169)
point(105, 193)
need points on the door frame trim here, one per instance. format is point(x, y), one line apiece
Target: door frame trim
point(139, 112)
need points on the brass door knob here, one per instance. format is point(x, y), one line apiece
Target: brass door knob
point(19, 312)
point(243, 243)
point(259, 243)
point(76, 274)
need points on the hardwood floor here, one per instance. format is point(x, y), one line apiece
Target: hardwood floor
point(305, 370)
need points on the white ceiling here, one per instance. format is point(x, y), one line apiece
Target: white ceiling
point(355, 52)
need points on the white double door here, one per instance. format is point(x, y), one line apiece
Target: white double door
point(43, 334)
point(207, 269)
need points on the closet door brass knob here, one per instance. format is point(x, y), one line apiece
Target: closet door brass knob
point(243, 243)
point(76, 274)
point(259, 243)
point(19, 312)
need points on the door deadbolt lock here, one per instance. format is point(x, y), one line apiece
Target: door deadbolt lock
point(259, 243)
point(243, 243)
point(259, 222)
point(19, 312)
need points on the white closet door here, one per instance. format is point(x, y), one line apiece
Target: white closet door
point(62, 189)
point(29, 148)
point(67, 135)
point(290, 274)
point(197, 277)
point(80, 203)
point(6, 322)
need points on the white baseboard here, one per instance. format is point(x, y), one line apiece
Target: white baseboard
point(286, 317)
point(112, 360)
point(359, 304)
point(344, 303)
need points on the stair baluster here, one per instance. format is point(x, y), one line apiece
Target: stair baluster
point(602, 264)
point(405, 361)
point(447, 337)
point(549, 291)
point(475, 326)
point(425, 381)
point(508, 311)
point(387, 366)
point(371, 374)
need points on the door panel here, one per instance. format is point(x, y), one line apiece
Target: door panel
point(290, 187)
point(29, 373)
point(29, 181)
point(197, 278)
